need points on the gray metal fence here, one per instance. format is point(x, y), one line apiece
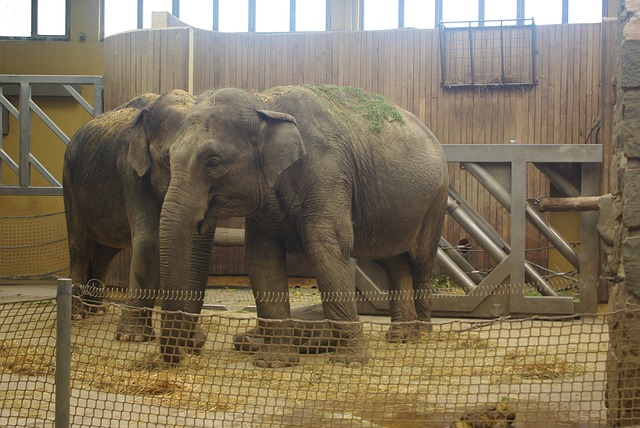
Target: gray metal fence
point(27, 88)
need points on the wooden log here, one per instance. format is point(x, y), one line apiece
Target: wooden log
point(228, 237)
point(579, 203)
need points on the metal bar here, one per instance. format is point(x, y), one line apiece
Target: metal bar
point(42, 170)
point(41, 78)
point(549, 153)
point(470, 271)
point(443, 55)
point(34, 18)
point(47, 120)
point(533, 54)
point(98, 94)
point(12, 164)
point(483, 224)
point(589, 243)
point(518, 233)
point(25, 134)
point(63, 353)
point(139, 14)
point(79, 98)
point(5, 102)
point(216, 14)
point(252, 16)
point(505, 199)
point(558, 180)
point(292, 15)
point(328, 15)
point(454, 271)
point(31, 191)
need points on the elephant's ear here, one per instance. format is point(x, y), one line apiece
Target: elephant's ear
point(139, 156)
point(280, 143)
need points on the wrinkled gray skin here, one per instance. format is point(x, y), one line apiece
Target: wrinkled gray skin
point(310, 179)
point(115, 176)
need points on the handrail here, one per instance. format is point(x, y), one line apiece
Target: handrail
point(64, 85)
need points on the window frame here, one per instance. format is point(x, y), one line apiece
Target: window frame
point(34, 26)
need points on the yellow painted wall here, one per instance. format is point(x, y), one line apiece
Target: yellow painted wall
point(51, 57)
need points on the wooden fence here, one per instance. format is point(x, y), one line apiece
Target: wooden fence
point(571, 103)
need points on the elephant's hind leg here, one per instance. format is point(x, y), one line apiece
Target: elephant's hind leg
point(401, 300)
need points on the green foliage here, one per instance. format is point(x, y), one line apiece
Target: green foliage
point(374, 108)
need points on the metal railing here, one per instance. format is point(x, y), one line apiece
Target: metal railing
point(26, 87)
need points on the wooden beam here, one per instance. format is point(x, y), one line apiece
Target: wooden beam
point(228, 237)
point(580, 203)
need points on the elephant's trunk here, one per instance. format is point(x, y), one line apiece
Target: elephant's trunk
point(177, 282)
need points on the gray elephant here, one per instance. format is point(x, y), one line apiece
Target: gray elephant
point(115, 176)
point(329, 172)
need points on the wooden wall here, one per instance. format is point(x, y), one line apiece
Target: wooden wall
point(573, 94)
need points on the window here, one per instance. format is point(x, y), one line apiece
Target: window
point(380, 14)
point(272, 16)
point(585, 11)
point(38, 19)
point(544, 11)
point(197, 13)
point(311, 15)
point(419, 14)
point(460, 10)
point(500, 9)
point(233, 15)
point(119, 16)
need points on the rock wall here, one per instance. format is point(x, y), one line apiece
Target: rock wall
point(619, 227)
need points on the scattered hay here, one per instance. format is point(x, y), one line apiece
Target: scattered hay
point(534, 363)
point(463, 340)
point(31, 360)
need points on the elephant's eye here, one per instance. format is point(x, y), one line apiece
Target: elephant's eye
point(166, 158)
point(213, 161)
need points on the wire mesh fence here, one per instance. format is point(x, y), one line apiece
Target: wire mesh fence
point(539, 371)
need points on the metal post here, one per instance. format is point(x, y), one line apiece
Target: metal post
point(25, 134)
point(63, 353)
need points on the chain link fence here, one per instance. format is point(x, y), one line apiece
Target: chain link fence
point(539, 371)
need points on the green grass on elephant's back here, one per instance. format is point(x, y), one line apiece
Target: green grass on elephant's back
point(347, 102)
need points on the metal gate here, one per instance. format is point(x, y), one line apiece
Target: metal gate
point(502, 170)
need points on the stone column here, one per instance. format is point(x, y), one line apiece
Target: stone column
point(620, 228)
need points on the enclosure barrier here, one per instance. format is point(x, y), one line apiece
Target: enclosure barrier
point(523, 372)
point(26, 87)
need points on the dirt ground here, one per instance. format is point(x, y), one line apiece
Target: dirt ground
point(543, 372)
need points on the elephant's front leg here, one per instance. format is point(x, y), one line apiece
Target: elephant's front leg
point(136, 324)
point(267, 268)
point(329, 251)
point(143, 211)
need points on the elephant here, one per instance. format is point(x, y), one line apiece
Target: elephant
point(115, 176)
point(328, 172)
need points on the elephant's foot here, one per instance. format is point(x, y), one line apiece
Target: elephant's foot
point(351, 356)
point(82, 309)
point(311, 336)
point(352, 347)
point(196, 342)
point(135, 329)
point(276, 355)
point(403, 332)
